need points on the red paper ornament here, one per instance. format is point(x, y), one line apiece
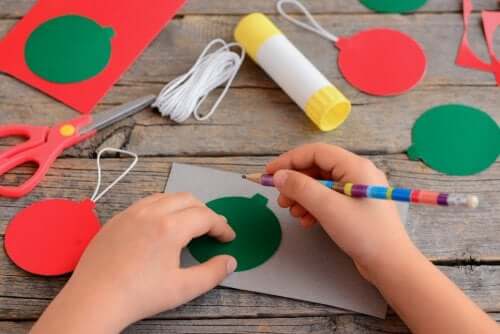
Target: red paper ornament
point(381, 61)
point(376, 61)
point(48, 237)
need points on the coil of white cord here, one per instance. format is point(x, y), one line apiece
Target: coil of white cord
point(183, 96)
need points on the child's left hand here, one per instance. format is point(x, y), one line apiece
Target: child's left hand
point(131, 269)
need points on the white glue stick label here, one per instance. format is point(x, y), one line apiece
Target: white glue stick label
point(293, 72)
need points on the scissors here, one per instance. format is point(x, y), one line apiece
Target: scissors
point(45, 144)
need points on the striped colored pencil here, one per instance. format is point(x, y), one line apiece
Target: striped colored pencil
point(416, 196)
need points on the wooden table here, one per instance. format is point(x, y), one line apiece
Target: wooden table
point(255, 122)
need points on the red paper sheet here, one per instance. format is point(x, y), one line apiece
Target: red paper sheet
point(466, 56)
point(135, 23)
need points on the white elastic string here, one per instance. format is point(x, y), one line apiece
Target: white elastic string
point(95, 196)
point(183, 96)
point(314, 26)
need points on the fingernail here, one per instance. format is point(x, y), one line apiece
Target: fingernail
point(279, 178)
point(231, 265)
point(223, 217)
point(307, 225)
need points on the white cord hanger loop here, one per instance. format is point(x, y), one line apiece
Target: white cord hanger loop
point(96, 195)
point(313, 25)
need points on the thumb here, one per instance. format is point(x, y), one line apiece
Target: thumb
point(313, 196)
point(197, 280)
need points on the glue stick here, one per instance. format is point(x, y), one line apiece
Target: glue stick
point(322, 102)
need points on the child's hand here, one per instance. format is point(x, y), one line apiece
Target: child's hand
point(131, 269)
point(365, 229)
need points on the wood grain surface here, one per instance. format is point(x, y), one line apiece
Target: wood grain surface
point(256, 122)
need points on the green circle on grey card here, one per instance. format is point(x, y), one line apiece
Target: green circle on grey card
point(258, 232)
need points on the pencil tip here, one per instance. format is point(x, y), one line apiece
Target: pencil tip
point(243, 176)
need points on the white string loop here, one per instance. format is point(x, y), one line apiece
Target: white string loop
point(96, 196)
point(183, 96)
point(314, 26)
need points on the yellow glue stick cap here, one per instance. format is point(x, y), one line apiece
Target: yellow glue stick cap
point(252, 31)
point(328, 108)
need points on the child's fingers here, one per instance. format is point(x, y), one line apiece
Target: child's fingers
point(313, 172)
point(297, 211)
point(323, 203)
point(324, 156)
point(146, 200)
point(194, 222)
point(170, 203)
point(342, 165)
point(307, 221)
point(284, 201)
point(197, 280)
point(178, 201)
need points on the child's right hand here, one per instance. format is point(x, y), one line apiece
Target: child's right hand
point(366, 229)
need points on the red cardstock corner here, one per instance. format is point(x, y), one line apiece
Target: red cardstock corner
point(466, 56)
point(135, 24)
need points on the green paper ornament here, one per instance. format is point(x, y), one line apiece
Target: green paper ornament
point(455, 139)
point(393, 6)
point(258, 232)
point(68, 49)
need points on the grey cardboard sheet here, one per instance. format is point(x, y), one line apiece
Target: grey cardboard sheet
point(307, 265)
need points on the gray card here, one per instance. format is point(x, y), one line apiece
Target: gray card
point(307, 265)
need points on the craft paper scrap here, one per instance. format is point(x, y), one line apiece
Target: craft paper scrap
point(455, 139)
point(306, 265)
point(392, 6)
point(76, 50)
point(466, 56)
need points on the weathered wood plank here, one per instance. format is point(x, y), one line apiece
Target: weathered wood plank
point(319, 325)
point(442, 234)
point(257, 122)
point(17, 8)
point(342, 324)
point(23, 296)
point(317, 6)
point(274, 125)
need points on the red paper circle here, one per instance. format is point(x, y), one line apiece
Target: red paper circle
point(48, 237)
point(381, 62)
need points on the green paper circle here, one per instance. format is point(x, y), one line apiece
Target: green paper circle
point(393, 6)
point(258, 232)
point(455, 139)
point(68, 49)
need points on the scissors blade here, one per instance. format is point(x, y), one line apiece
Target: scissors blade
point(113, 115)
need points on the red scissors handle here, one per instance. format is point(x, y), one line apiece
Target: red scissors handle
point(36, 135)
point(55, 141)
